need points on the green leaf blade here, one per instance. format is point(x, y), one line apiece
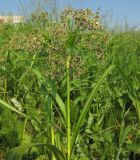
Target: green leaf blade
point(18, 152)
point(87, 104)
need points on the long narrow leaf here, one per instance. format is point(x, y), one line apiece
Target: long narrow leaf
point(3, 103)
point(54, 94)
point(60, 103)
point(18, 152)
point(87, 104)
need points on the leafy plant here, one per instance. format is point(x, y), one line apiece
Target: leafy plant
point(69, 89)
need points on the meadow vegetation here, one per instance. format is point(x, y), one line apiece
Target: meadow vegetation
point(69, 89)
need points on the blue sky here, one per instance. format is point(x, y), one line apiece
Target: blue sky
point(119, 9)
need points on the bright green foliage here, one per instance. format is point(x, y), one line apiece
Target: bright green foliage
point(69, 89)
point(17, 152)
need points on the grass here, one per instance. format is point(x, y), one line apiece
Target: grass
point(69, 90)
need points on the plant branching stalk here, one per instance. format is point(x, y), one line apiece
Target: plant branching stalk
point(68, 110)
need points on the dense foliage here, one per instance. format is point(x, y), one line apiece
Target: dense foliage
point(69, 89)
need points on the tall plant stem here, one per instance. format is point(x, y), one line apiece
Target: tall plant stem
point(5, 82)
point(52, 129)
point(68, 111)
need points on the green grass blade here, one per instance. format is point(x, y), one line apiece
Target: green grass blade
point(60, 103)
point(17, 152)
point(137, 106)
point(3, 103)
point(87, 104)
point(52, 129)
point(47, 88)
point(68, 111)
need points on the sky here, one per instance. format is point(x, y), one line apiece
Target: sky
point(117, 10)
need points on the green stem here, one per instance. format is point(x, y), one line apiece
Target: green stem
point(68, 111)
point(52, 129)
point(5, 81)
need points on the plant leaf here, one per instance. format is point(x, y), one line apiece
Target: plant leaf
point(87, 104)
point(134, 148)
point(3, 103)
point(60, 103)
point(17, 152)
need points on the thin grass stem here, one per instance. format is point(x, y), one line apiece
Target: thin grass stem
point(68, 111)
